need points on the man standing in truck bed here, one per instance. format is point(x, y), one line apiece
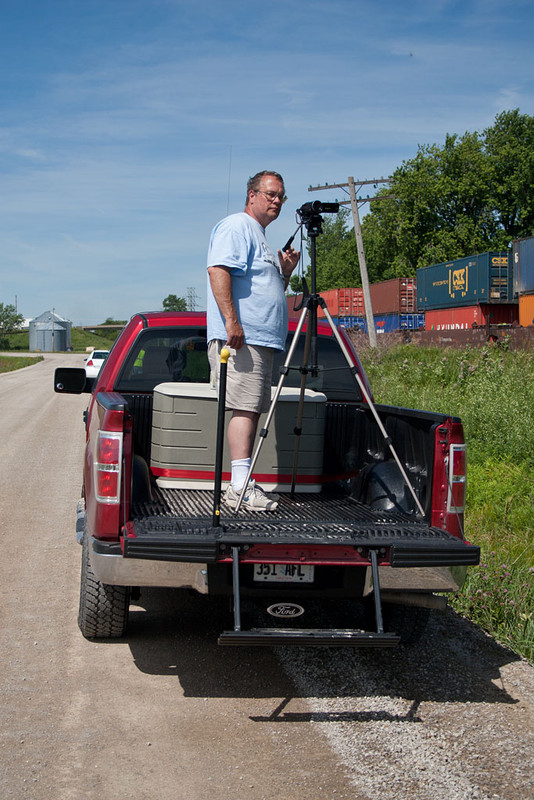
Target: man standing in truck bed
point(247, 312)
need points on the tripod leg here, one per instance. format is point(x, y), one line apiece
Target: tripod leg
point(371, 405)
point(264, 431)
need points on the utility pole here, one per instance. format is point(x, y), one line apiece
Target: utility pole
point(354, 201)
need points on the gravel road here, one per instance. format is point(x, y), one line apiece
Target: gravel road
point(167, 714)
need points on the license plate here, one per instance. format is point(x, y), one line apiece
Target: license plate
point(284, 573)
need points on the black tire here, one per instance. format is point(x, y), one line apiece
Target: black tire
point(408, 622)
point(103, 612)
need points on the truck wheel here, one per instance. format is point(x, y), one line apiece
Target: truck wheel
point(103, 612)
point(408, 622)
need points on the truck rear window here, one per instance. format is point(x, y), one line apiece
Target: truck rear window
point(161, 356)
point(333, 376)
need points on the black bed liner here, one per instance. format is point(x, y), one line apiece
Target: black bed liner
point(178, 525)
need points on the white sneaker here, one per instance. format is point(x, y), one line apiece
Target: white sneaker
point(255, 498)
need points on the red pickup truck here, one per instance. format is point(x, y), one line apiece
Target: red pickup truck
point(356, 529)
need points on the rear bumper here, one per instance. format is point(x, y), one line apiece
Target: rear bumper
point(111, 567)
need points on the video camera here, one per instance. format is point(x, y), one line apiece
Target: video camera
point(310, 215)
point(309, 210)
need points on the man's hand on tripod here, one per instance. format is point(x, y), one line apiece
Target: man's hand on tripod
point(288, 261)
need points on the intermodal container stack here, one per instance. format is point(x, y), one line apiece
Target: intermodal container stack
point(394, 304)
point(523, 258)
point(481, 278)
point(468, 292)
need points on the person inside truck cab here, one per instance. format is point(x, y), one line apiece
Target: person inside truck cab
point(247, 312)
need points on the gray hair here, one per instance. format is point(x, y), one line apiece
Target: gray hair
point(255, 182)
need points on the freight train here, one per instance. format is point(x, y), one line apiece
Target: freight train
point(394, 304)
point(485, 289)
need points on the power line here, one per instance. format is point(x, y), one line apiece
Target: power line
point(192, 298)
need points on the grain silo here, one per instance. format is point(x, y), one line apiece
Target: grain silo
point(50, 333)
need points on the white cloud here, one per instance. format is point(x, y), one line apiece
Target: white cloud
point(117, 164)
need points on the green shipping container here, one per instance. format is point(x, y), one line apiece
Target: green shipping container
point(481, 278)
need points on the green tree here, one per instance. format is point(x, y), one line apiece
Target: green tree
point(337, 258)
point(471, 194)
point(10, 322)
point(336, 255)
point(174, 303)
point(442, 209)
point(111, 321)
point(510, 149)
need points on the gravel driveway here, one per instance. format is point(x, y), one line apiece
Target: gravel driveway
point(166, 714)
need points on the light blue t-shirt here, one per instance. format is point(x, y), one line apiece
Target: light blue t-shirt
point(258, 286)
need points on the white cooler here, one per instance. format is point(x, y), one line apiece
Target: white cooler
point(184, 431)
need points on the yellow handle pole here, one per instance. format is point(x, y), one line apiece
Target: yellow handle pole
point(224, 356)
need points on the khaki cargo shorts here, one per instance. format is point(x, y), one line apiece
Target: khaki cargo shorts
point(248, 377)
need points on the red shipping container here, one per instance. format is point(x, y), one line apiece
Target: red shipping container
point(466, 317)
point(292, 301)
point(339, 302)
point(396, 296)
point(350, 302)
point(331, 298)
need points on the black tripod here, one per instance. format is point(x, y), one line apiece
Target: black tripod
point(310, 215)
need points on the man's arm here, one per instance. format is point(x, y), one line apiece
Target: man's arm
point(221, 286)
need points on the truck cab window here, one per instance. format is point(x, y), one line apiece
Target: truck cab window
point(159, 356)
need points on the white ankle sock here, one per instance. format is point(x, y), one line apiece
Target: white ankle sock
point(240, 468)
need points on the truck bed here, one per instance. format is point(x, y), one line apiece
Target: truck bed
point(177, 525)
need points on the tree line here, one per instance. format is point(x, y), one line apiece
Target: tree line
point(473, 194)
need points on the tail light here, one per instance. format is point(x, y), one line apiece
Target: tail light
point(108, 467)
point(90, 363)
point(457, 478)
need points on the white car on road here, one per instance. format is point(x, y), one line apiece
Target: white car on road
point(94, 361)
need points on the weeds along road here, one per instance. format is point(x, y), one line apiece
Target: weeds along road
point(167, 714)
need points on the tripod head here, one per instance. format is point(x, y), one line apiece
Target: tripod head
point(310, 215)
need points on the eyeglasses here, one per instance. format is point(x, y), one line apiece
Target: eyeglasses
point(272, 195)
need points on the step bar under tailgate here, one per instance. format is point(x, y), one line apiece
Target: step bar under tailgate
point(176, 526)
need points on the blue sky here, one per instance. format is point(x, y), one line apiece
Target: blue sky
point(128, 128)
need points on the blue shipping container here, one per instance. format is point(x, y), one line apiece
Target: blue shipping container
point(523, 266)
point(386, 323)
point(482, 278)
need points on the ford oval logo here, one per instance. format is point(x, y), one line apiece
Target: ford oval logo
point(285, 610)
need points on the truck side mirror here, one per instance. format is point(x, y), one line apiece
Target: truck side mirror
point(71, 380)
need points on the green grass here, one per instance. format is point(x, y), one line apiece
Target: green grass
point(492, 390)
point(11, 363)
point(80, 340)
